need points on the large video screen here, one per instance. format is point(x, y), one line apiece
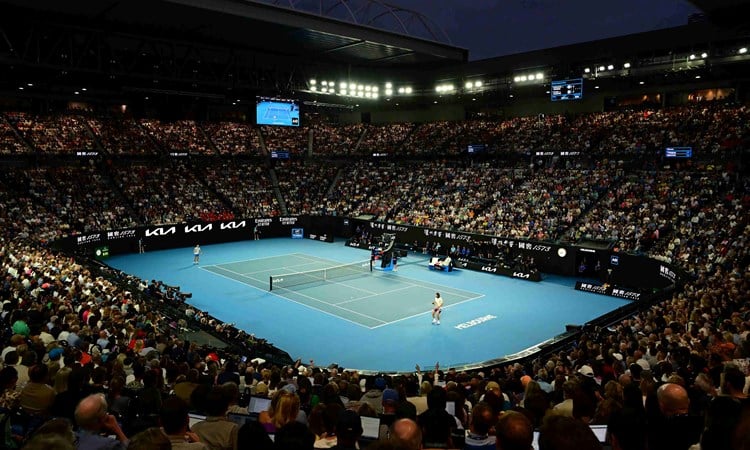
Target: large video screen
point(566, 89)
point(275, 111)
point(678, 152)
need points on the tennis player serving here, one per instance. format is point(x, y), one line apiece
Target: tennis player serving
point(437, 307)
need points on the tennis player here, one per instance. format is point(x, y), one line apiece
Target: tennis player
point(197, 254)
point(437, 307)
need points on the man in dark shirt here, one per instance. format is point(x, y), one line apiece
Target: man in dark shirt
point(674, 429)
point(436, 423)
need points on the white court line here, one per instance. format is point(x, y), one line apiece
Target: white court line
point(427, 312)
point(303, 304)
point(426, 284)
point(254, 259)
point(409, 284)
point(375, 294)
point(352, 287)
point(331, 304)
point(285, 255)
point(237, 273)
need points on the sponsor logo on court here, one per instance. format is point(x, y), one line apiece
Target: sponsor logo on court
point(667, 273)
point(489, 269)
point(475, 322)
point(232, 225)
point(630, 295)
point(161, 231)
point(525, 276)
point(88, 239)
point(198, 228)
point(120, 234)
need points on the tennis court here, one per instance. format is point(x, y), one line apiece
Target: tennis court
point(351, 292)
point(369, 321)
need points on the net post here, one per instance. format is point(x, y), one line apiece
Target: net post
point(270, 283)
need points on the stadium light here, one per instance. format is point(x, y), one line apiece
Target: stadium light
point(697, 77)
point(523, 78)
point(324, 90)
point(331, 83)
point(389, 92)
point(610, 67)
point(401, 90)
point(641, 82)
point(342, 85)
point(374, 89)
point(408, 90)
point(313, 88)
point(20, 88)
point(343, 91)
point(516, 79)
point(587, 70)
point(704, 55)
point(478, 84)
point(602, 68)
point(313, 81)
point(375, 95)
point(539, 76)
point(324, 83)
point(596, 87)
point(30, 84)
point(626, 65)
point(389, 85)
point(742, 51)
point(692, 57)
point(469, 85)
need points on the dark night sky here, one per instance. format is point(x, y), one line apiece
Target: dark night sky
point(490, 28)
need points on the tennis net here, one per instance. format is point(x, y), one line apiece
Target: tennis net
point(311, 276)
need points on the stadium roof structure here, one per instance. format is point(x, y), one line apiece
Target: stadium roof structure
point(226, 50)
point(207, 48)
point(262, 27)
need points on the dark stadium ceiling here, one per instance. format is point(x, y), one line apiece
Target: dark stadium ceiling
point(253, 26)
point(725, 12)
point(227, 50)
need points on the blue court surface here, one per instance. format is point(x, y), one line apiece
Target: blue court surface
point(377, 320)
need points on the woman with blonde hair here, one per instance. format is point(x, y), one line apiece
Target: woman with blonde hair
point(284, 409)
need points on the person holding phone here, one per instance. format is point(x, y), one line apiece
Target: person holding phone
point(92, 419)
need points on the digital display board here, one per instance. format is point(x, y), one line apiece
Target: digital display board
point(476, 148)
point(279, 154)
point(678, 152)
point(566, 89)
point(276, 111)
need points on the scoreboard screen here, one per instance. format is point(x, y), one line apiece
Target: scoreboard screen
point(476, 148)
point(678, 152)
point(274, 111)
point(566, 89)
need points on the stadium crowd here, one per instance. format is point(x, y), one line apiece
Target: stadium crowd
point(99, 349)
